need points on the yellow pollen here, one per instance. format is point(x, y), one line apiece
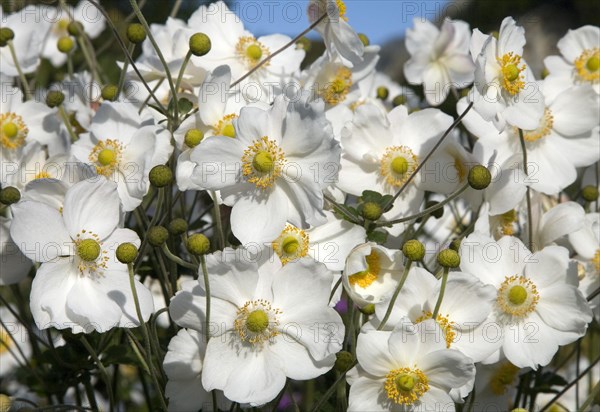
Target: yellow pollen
point(338, 88)
point(543, 130)
point(503, 378)
point(13, 131)
point(342, 7)
point(507, 222)
point(397, 164)
point(6, 340)
point(106, 156)
point(405, 386)
point(225, 126)
point(517, 296)
point(444, 322)
point(42, 175)
point(587, 66)
point(511, 69)
point(257, 321)
point(262, 162)
point(461, 170)
point(596, 261)
point(291, 244)
point(368, 276)
point(251, 51)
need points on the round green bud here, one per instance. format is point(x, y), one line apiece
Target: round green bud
point(127, 253)
point(455, 245)
point(304, 44)
point(160, 176)
point(200, 44)
point(343, 361)
point(75, 28)
point(198, 244)
point(368, 309)
point(413, 250)
point(438, 213)
point(193, 137)
point(371, 211)
point(157, 235)
point(589, 193)
point(545, 73)
point(110, 92)
point(479, 177)
point(364, 39)
point(55, 98)
point(398, 100)
point(178, 226)
point(448, 258)
point(136, 33)
point(6, 35)
point(383, 92)
point(65, 44)
point(9, 195)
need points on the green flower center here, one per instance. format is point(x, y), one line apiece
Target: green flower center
point(290, 245)
point(405, 383)
point(88, 250)
point(254, 52)
point(511, 72)
point(10, 130)
point(400, 165)
point(228, 130)
point(107, 157)
point(517, 295)
point(263, 162)
point(593, 64)
point(257, 321)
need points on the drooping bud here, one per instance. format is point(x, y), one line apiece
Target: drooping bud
point(65, 44)
point(178, 226)
point(589, 193)
point(6, 35)
point(75, 28)
point(9, 195)
point(343, 361)
point(383, 92)
point(55, 98)
point(110, 92)
point(157, 235)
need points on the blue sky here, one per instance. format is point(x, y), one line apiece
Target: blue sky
point(381, 20)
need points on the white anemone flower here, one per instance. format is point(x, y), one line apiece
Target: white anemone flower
point(80, 284)
point(340, 38)
point(464, 309)
point(29, 26)
point(586, 242)
point(538, 306)
point(579, 63)
point(439, 59)
point(372, 273)
point(408, 369)
point(236, 47)
point(84, 12)
point(274, 170)
point(505, 91)
point(123, 147)
point(381, 152)
point(272, 322)
point(183, 366)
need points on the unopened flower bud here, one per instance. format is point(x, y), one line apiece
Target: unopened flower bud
point(368, 309)
point(178, 226)
point(65, 44)
point(479, 177)
point(343, 361)
point(200, 44)
point(448, 258)
point(414, 250)
point(589, 193)
point(110, 92)
point(9, 195)
point(75, 28)
point(55, 98)
point(455, 245)
point(160, 176)
point(398, 100)
point(157, 235)
point(127, 253)
point(193, 137)
point(383, 92)
point(304, 43)
point(198, 244)
point(136, 33)
point(371, 211)
point(6, 35)
point(364, 39)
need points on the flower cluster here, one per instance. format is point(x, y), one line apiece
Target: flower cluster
point(230, 223)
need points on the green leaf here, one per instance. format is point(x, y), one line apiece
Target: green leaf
point(378, 236)
point(371, 196)
point(119, 355)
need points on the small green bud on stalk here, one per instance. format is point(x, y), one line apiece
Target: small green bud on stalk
point(157, 235)
point(414, 250)
point(160, 176)
point(9, 195)
point(178, 227)
point(193, 137)
point(398, 100)
point(55, 98)
point(136, 33)
point(383, 93)
point(368, 309)
point(6, 35)
point(448, 258)
point(343, 361)
point(371, 211)
point(589, 193)
point(110, 92)
point(200, 44)
point(127, 253)
point(65, 44)
point(75, 28)
point(198, 244)
point(479, 177)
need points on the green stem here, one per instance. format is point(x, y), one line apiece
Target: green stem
point(218, 221)
point(22, 77)
point(188, 56)
point(342, 209)
point(177, 259)
point(441, 296)
point(390, 308)
point(65, 118)
point(121, 84)
point(528, 194)
point(103, 371)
